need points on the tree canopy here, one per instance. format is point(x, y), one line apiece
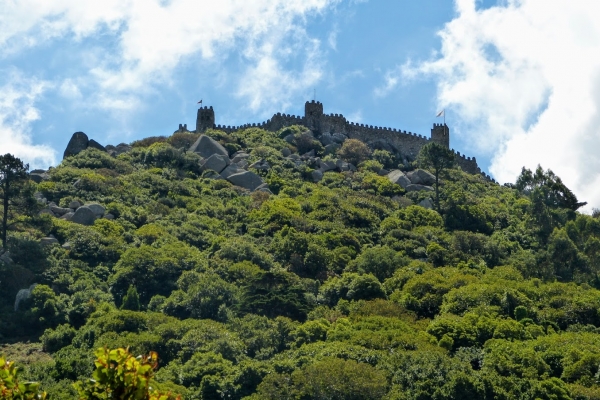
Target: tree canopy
point(12, 173)
point(345, 288)
point(438, 158)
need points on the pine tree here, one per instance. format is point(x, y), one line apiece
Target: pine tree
point(131, 301)
point(439, 158)
point(12, 174)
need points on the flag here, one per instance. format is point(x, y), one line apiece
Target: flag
point(200, 102)
point(441, 113)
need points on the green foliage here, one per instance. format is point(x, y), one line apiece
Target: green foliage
point(182, 139)
point(328, 378)
point(149, 141)
point(12, 389)
point(201, 295)
point(370, 165)
point(13, 174)
point(46, 309)
point(119, 375)
point(379, 185)
point(95, 159)
point(131, 301)
point(439, 158)
point(549, 186)
point(306, 142)
point(382, 262)
point(274, 293)
point(350, 286)
point(55, 339)
point(153, 270)
point(354, 151)
point(338, 289)
point(385, 158)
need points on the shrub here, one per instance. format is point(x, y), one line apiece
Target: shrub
point(12, 389)
point(379, 261)
point(384, 157)
point(131, 301)
point(55, 339)
point(96, 159)
point(370, 165)
point(306, 142)
point(183, 139)
point(354, 151)
point(120, 375)
point(350, 286)
point(146, 142)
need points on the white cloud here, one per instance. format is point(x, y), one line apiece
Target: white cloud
point(355, 116)
point(150, 38)
point(70, 90)
point(523, 78)
point(268, 83)
point(391, 81)
point(332, 38)
point(16, 115)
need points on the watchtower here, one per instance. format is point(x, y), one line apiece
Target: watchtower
point(440, 134)
point(205, 119)
point(313, 111)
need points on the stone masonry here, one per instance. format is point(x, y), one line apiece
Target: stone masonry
point(405, 143)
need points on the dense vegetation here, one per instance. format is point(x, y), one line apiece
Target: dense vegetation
point(342, 289)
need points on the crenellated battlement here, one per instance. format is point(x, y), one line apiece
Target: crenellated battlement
point(205, 119)
point(406, 143)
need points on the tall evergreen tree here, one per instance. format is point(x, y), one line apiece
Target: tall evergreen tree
point(131, 301)
point(438, 158)
point(13, 173)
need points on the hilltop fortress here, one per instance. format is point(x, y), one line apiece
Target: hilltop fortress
point(324, 125)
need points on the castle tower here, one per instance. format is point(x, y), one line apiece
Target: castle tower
point(313, 111)
point(440, 134)
point(205, 119)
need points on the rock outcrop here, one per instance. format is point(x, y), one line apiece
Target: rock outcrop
point(39, 175)
point(59, 210)
point(398, 177)
point(48, 241)
point(95, 145)
point(261, 165)
point(118, 149)
point(231, 170)
point(421, 177)
point(427, 203)
point(97, 209)
point(239, 157)
point(246, 179)
point(216, 162)
point(327, 165)
point(417, 188)
point(317, 175)
point(79, 142)
point(84, 216)
point(206, 146)
point(5, 258)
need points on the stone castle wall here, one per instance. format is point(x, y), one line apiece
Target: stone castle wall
point(407, 144)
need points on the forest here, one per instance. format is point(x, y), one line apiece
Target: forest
point(345, 288)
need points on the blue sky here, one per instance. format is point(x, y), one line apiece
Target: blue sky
point(518, 78)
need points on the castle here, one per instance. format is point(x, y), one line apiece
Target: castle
point(406, 143)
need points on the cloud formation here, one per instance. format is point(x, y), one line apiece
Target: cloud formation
point(144, 41)
point(17, 112)
point(523, 77)
point(113, 55)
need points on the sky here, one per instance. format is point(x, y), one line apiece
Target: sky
point(519, 80)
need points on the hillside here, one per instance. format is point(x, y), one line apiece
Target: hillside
point(305, 273)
